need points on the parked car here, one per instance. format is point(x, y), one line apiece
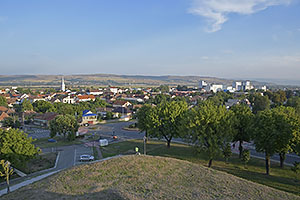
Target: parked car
point(51, 140)
point(86, 158)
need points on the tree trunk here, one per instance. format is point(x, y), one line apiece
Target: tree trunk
point(268, 164)
point(210, 163)
point(8, 189)
point(146, 135)
point(282, 158)
point(240, 149)
point(168, 143)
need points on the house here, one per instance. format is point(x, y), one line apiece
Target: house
point(122, 112)
point(36, 98)
point(3, 116)
point(88, 117)
point(44, 119)
point(68, 99)
point(85, 98)
point(103, 111)
point(95, 92)
point(121, 103)
point(232, 102)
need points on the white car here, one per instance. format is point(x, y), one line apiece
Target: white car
point(86, 158)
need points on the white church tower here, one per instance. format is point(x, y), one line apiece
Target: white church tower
point(63, 86)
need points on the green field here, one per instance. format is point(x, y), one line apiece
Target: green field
point(282, 179)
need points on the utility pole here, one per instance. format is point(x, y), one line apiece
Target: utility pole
point(145, 140)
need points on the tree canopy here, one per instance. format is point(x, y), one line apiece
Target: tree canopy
point(259, 102)
point(243, 120)
point(166, 119)
point(65, 125)
point(210, 128)
point(3, 101)
point(274, 132)
point(16, 146)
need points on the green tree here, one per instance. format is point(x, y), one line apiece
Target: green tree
point(42, 106)
point(99, 103)
point(26, 105)
point(210, 127)
point(260, 103)
point(164, 88)
point(109, 115)
point(243, 122)
point(160, 98)
point(182, 88)
point(227, 152)
point(10, 122)
point(295, 103)
point(274, 132)
point(65, 125)
point(288, 128)
point(245, 156)
point(3, 101)
point(6, 172)
point(16, 146)
point(166, 120)
point(296, 167)
point(144, 117)
point(279, 97)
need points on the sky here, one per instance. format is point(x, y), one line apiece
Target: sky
point(239, 39)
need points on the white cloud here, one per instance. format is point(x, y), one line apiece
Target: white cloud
point(216, 11)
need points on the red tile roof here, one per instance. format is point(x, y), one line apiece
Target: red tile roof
point(46, 116)
point(86, 97)
point(3, 109)
point(3, 116)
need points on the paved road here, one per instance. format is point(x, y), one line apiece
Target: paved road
point(290, 158)
point(106, 131)
point(36, 132)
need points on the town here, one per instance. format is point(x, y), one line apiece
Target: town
point(70, 126)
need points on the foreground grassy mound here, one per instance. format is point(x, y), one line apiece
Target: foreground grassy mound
point(146, 177)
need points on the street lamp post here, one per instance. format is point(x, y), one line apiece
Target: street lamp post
point(145, 139)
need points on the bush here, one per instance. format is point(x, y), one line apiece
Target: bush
point(245, 156)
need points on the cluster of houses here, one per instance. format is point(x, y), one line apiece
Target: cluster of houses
point(122, 101)
point(121, 104)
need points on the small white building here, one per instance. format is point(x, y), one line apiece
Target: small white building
point(202, 84)
point(95, 92)
point(214, 87)
point(68, 99)
point(237, 85)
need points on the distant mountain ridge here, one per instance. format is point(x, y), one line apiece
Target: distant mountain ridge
point(108, 79)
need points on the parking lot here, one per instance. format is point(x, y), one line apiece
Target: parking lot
point(82, 150)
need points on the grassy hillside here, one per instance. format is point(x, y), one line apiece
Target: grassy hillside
point(145, 177)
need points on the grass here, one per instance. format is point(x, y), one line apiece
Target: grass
point(41, 162)
point(145, 177)
point(43, 142)
point(95, 153)
point(282, 179)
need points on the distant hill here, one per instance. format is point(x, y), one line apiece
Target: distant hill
point(146, 177)
point(106, 79)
